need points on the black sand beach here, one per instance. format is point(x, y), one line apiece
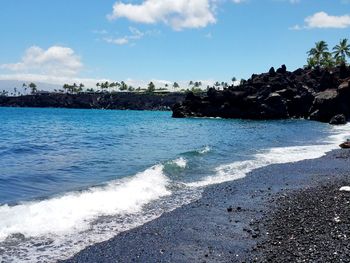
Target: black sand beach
point(281, 213)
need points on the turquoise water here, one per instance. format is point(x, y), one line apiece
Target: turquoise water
point(63, 171)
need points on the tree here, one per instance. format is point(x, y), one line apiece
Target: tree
point(327, 60)
point(4, 93)
point(319, 52)
point(33, 88)
point(105, 85)
point(66, 88)
point(311, 62)
point(217, 84)
point(234, 79)
point(123, 86)
point(112, 85)
point(151, 87)
point(341, 51)
point(24, 86)
point(176, 85)
point(81, 86)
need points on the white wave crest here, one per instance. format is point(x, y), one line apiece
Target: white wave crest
point(75, 211)
point(278, 155)
point(180, 162)
point(205, 150)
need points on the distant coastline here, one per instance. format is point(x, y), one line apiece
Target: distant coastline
point(115, 101)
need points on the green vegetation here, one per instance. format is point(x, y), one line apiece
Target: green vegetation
point(320, 56)
point(73, 89)
point(151, 87)
point(33, 88)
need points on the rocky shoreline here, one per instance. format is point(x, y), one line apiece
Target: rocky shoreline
point(317, 94)
point(243, 220)
point(115, 101)
point(309, 225)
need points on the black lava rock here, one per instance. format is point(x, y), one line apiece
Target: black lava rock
point(338, 119)
point(318, 94)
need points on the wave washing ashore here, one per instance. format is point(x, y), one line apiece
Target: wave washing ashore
point(72, 178)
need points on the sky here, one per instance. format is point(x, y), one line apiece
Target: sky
point(65, 41)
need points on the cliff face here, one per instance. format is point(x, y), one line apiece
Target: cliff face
point(316, 94)
point(122, 101)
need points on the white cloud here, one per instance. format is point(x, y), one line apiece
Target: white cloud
point(238, 1)
point(179, 14)
point(117, 41)
point(323, 20)
point(56, 60)
point(134, 35)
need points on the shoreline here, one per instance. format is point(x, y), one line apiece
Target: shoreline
point(107, 101)
point(226, 224)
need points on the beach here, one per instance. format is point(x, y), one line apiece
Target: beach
point(241, 221)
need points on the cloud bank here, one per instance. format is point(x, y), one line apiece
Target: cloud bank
point(56, 60)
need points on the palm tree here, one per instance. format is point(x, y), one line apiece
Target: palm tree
point(217, 84)
point(97, 86)
point(234, 79)
point(311, 62)
point(197, 84)
point(318, 52)
point(327, 61)
point(123, 86)
point(32, 86)
point(151, 87)
point(341, 51)
point(176, 85)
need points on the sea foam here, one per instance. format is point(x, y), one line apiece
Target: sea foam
point(180, 162)
point(74, 212)
point(277, 155)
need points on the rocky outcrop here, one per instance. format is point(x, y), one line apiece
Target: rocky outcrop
point(316, 94)
point(345, 145)
point(116, 101)
point(338, 119)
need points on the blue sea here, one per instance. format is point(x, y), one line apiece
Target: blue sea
point(71, 178)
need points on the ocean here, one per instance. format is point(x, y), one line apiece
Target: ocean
point(71, 178)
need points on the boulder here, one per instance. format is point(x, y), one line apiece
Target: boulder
point(272, 72)
point(326, 104)
point(344, 87)
point(338, 119)
point(298, 71)
point(274, 107)
point(345, 145)
point(282, 69)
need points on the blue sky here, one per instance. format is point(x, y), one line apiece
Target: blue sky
point(174, 40)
